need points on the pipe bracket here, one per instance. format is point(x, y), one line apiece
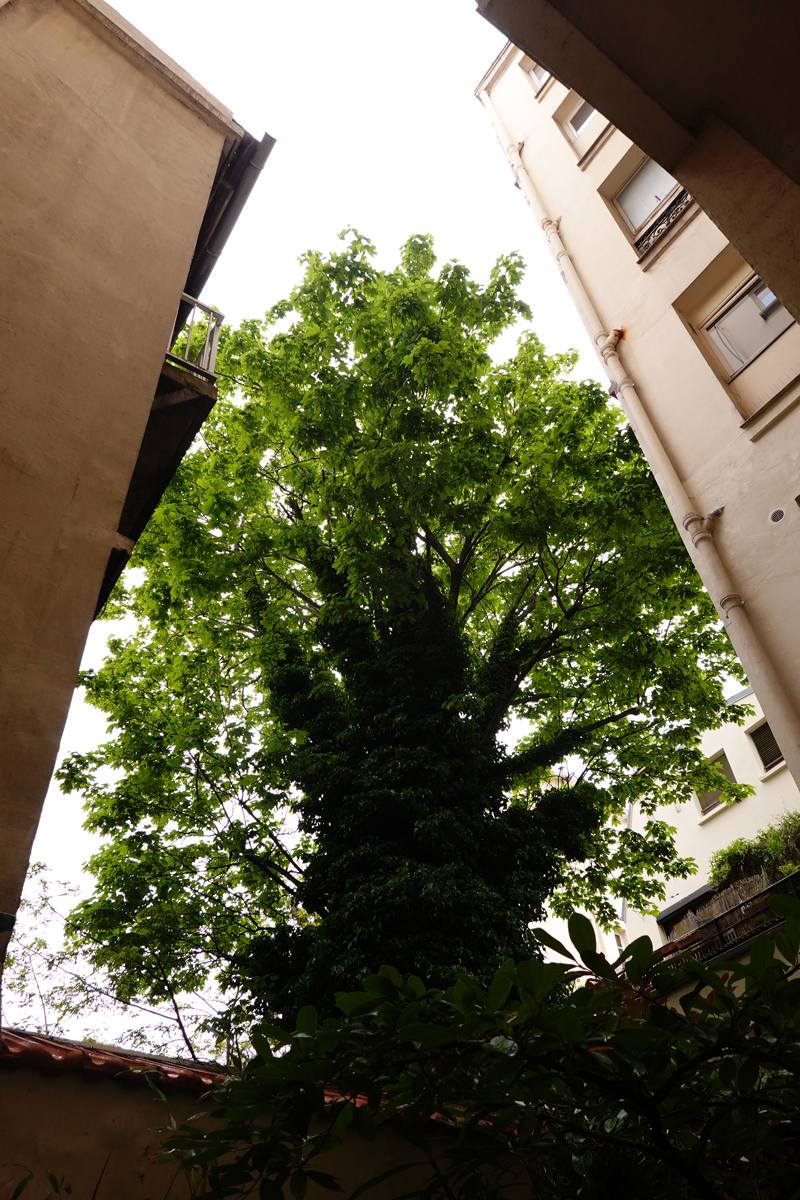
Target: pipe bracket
point(731, 600)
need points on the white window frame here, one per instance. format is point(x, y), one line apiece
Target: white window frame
point(730, 372)
point(572, 133)
point(715, 758)
point(538, 83)
point(652, 217)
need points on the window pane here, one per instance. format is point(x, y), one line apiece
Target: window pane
point(749, 325)
point(539, 74)
point(645, 193)
point(709, 800)
point(583, 113)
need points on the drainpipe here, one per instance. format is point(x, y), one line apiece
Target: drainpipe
point(778, 709)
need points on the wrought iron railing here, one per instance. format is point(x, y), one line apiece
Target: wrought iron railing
point(729, 930)
point(666, 218)
point(198, 338)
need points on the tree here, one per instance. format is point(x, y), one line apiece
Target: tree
point(386, 548)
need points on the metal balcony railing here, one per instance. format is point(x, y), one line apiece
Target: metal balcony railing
point(724, 933)
point(198, 337)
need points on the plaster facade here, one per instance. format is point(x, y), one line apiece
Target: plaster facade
point(699, 834)
point(731, 432)
point(86, 1113)
point(706, 90)
point(728, 440)
point(109, 154)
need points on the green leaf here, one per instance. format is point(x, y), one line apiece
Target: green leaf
point(786, 906)
point(540, 978)
point(570, 1027)
point(268, 1189)
point(500, 987)
point(747, 1075)
point(364, 1124)
point(581, 934)
point(762, 954)
point(307, 1020)
point(298, 1183)
point(324, 1180)
point(20, 1188)
point(552, 943)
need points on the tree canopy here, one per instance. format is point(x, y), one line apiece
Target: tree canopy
point(387, 555)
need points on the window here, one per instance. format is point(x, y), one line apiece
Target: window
point(539, 76)
point(644, 194)
point(768, 749)
point(709, 800)
point(581, 116)
point(747, 326)
point(619, 938)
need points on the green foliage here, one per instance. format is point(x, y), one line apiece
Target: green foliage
point(50, 988)
point(54, 1186)
point(579, 1072)
point(774, 850)
point(386, 548)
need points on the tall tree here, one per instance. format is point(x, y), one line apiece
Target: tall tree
point(386, 548)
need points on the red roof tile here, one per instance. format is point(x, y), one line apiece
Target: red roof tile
point(127, 1067)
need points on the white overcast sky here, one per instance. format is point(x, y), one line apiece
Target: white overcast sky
point(372, 104)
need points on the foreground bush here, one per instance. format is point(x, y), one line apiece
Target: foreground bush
point(578, 1072)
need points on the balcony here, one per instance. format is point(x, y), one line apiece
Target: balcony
point(665, 220)
point(185, 395)
point(196, 350)
point(723, 925)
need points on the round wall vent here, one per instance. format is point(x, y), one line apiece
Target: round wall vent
point(778, 515)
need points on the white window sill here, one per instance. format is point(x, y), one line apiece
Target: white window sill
point(713, 812)
point(772, 771)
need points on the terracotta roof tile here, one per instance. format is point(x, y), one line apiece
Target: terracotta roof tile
point(127, 1067)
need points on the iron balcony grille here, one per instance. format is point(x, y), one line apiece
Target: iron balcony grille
point(201, 338)
point(666, 218)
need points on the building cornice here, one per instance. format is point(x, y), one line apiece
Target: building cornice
point(172, 75)
point(504, 60)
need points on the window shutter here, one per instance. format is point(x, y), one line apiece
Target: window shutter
point(709, 800)
point(768, 749)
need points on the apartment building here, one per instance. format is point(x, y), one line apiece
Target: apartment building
point(745, 753)
point(675, 78)
point(691, 915)
point(705, 361)
point(120, 180)
point(701, 355)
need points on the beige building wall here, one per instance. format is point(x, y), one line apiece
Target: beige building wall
point(698, 835)
point(733, 440)
point(108, 152)
point(707, 91)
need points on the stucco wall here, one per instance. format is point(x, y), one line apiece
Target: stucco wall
point(105, 171)
point(735, 444)
point(698, 835)
point(75, 1127)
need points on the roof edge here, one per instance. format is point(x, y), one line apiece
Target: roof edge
point(190, 90)
point(128, 1068)
point(498, 67)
